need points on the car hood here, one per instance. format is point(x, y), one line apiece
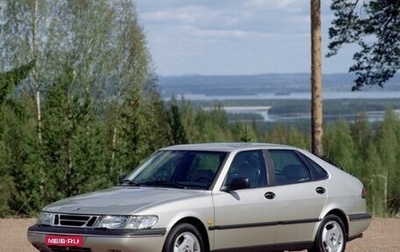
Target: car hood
point(119, 200)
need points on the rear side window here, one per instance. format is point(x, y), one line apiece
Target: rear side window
point(289, 168)
point(318, 170)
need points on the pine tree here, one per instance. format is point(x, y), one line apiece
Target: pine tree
point(387, 142)
point(71, 140)
point(373, 26)
point(8, 83)
point(339, 145)
point(277, 135)
point(213, 125)
point(243, 132)
point(374, 180)
point(362, 135)
point(21, 163)
point(91, 62)
point(297, 138)
point(189, 120)
point(14, 141)
point(177, 134)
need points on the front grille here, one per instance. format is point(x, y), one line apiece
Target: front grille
point(68, 249)
point(69, 220)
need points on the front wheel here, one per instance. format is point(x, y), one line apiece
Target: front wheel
point(331, 236)
point(184, 237)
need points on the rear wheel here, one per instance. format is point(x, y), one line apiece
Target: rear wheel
point(331, 236)
point(184, 237)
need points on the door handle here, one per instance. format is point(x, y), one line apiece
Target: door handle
point(320, 190)
point(269, 195)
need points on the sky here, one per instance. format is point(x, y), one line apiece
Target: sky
point(235, 37)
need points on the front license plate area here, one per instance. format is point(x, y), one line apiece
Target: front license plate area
point(64, 240)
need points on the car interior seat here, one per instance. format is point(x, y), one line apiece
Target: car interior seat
point(295, 173)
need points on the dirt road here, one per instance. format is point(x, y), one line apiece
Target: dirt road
point(382, 236)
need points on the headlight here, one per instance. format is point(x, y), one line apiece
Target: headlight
point(129, 222)
point(112, 222)
point(141, 222)
point(45, 218)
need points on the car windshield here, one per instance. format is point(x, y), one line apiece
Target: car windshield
point(178, 169)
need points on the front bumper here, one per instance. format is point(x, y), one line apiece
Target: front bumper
point(99, 240)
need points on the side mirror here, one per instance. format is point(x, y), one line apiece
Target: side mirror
point(121, 177)
point(237, 184)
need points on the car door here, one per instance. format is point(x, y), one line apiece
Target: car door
point(300, 197)
point(245, 217)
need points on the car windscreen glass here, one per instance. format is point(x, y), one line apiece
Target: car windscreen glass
point(179, 169)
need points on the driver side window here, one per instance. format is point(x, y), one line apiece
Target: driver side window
point(249, 165)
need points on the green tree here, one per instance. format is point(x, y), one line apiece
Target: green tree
point(13, 138)
point(91, 62)
point(10, 79)
point(56, 33)
point(132, 136)
point(374, 181)
point(26, 37)
point(290, 135)
point(177, 134)
point(277, 134)
point(20, 163)
point(8, 82)
point(155, 126)
point(297, 138)
point(243, 132)
point(188, 114)
point(339, 145)
point(373, 25)
point(213, 125)
point(136, 127)
point(362, 135)
point(71, 141)
point(387, 141)
point(7, 188)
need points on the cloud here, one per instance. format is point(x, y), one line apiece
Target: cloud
point(214, 36)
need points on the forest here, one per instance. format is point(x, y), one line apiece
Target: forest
point(79, 105)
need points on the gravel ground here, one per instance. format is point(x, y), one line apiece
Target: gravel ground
point(382, 236)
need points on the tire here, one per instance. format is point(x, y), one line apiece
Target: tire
point(331, 236)
point(184, 237)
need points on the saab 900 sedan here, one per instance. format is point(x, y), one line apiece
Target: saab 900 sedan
point(213, 197)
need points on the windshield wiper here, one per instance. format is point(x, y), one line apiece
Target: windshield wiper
point(164, 183)
point(128, 182)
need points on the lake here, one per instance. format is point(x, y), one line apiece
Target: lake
point(328, 95)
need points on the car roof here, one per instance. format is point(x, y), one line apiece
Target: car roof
point(228, 146)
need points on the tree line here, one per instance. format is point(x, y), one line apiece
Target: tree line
point(79, 105)
point(80, 152)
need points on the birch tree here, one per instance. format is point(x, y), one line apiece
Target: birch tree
point(85, 51)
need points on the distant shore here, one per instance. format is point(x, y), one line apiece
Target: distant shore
point(327, 95)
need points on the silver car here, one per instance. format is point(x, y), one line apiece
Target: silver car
point(213, 197)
